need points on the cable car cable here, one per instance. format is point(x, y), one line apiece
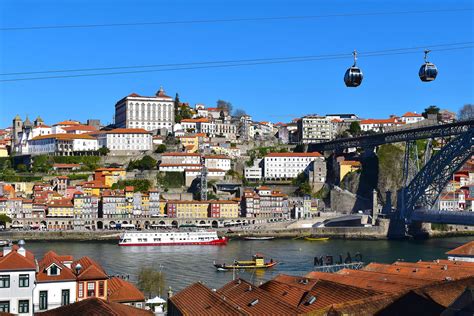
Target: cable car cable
point(371, 53)
point(204, 21)
point(216, 66)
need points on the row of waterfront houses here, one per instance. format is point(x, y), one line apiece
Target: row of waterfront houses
point(29, 285)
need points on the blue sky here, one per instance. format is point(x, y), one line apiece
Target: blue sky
point(275, 92)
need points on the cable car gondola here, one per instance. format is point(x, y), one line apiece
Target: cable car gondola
point(353, 76)
point(428, 71)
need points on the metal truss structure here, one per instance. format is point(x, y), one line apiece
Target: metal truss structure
point(426, 186)
point(426, 132)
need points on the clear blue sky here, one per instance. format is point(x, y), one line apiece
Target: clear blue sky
point(275, 92)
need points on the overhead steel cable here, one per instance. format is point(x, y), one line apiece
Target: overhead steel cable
point(329, 57)
point(229, 20)
point(232, 61)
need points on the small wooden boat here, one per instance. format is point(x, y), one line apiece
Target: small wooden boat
point(257, 262)
point(259, 238)
point(316, 239)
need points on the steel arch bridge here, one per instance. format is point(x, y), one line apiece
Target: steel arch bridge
point(404, 135)
point(421, 189)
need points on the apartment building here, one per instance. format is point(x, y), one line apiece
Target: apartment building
point(315, 129)
point(217, 162)
point(263, 202)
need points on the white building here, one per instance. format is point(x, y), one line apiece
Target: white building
point(178, 162)
point(254, 172)
point(55, 282)
point(17, 280)
point(62, 144)
point(217, 162)
point(125, 139)
point(150, 113)
point(379, 125)
point(285, 166)
point(411, 117)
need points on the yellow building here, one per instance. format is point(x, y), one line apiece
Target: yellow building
point(223, 208)
point(191, 142)
point(187, 209)
point(348, 166)
point(109, 176)
point(60, 208)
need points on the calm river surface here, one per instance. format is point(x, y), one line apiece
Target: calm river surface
point(184, 265)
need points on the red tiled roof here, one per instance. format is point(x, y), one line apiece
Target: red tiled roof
point(350, 163)
point(243, 294)
point(64, 136)
point(79, 128)
point(465, 250)
point(50, 258)
point(314, 154)
point(381, 121)
point(121, 291)
point(91, 270)
point(67, 123)
point(96, 307)
point(15, 261)
point(179, 154)
point(196, 120)
point(412, 114)
point(197, 299)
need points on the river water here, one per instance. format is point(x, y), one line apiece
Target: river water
point(184, 265)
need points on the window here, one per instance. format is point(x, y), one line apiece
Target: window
point(90, 289)
point(4, 281)
point(5, 306)
point(101, 288)
point(81, 289)
point(53, 270)
point(24, 280)
point(65, 297)
point(43, 300)
point(23, 306)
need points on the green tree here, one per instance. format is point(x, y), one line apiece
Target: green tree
point(103, 151)
point(151, 282)
point(146, 163)
point(224, 105)
point(41, 163)
point(160, 149)
point(21, 167)
point(4, 219)
point(354, 128)
point(432, 109)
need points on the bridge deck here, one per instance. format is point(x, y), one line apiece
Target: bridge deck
point(444, 217)
point(425, 132)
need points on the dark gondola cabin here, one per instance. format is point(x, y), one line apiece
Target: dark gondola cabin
point(353, 76)
point(428, 71)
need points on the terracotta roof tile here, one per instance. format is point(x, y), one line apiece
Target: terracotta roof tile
point(197, 299)
point(465, 250)
point(254, 300)
point(121, 291)
point(16, 261)
point(294, 155)
point(96, 307)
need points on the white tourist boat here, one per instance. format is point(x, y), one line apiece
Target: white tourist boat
point(171, 238)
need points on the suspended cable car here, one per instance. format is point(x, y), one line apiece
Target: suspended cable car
point(353, 76)
point(428, 71)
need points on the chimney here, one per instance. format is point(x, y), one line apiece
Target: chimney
point(21, 248)
point(170, 292)
point(6, 250)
